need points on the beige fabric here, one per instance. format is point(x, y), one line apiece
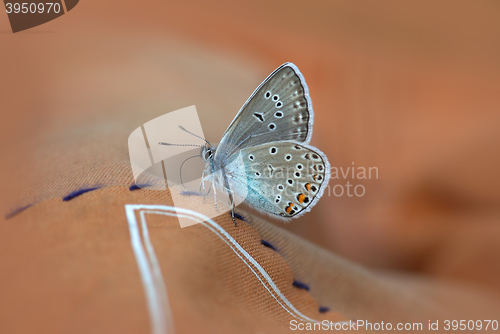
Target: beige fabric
point(69, 267)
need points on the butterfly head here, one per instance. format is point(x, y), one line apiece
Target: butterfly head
point(207, 153)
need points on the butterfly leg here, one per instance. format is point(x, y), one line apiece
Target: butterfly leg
point(202, 185)
point(232, 208)
point(231, 196)
point(215, 196)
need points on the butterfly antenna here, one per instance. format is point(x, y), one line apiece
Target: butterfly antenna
point(169, 144)
point(206, 141)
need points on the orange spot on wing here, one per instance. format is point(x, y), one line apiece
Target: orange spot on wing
point(308, 186)
point(289, 209)
point(301, 198)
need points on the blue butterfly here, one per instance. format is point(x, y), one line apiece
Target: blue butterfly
point(264, 154)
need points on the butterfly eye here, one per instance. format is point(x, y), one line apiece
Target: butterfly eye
point(268, 95)
point(208, 155)
point(276, 98)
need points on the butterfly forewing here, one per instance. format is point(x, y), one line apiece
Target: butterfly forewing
point(279, 110)
point(283, 178)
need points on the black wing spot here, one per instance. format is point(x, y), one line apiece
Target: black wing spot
point(271, 169)
point(259, 116)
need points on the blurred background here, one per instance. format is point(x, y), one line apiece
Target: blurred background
point(409, 87)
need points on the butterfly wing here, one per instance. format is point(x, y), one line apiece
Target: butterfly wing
point(280, 109)
point(285, 179)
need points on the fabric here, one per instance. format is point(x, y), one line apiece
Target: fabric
point(87, 270)
point(71, 266)
point(394, 86)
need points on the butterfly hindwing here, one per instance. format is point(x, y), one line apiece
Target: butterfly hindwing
point(280, 109)
point(285, 179)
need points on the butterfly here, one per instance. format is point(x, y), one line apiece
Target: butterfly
point(277, 170)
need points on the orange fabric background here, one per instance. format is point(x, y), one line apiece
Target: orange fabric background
point(409, 88)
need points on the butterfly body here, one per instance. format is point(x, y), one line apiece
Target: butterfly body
point(264, 153)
